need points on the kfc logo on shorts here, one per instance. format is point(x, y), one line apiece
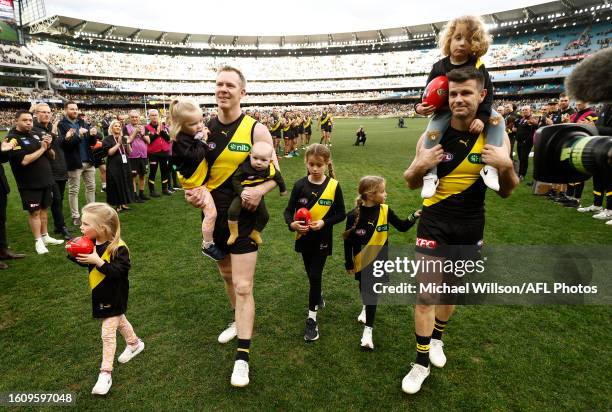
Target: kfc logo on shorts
point(426, 243)
point(303, 201)
point(447, 157)
point(360, 232)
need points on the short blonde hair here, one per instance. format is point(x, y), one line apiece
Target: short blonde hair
point(478, 36)
point(179, 110)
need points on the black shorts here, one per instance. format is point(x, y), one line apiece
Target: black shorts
point(36, 199)
point(308, 130)
point(246, 224)
point(444, 237)
point(276, 134)
point(138, 166)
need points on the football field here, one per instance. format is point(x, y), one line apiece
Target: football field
point(499, 357)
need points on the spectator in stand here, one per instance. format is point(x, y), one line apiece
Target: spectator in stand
point(138, 141)
point(5, 252)
point(76, 141)
point(32, 170)
point(43, 126)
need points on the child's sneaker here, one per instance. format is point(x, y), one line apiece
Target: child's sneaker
point(490, 177)
point(591, 208)
point(103, 384)
point(213, 252)
point(366, 339)
point(129, 353)
point(430, 184)
point(312, 330)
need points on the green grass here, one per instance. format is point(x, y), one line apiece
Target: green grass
point(500, 357)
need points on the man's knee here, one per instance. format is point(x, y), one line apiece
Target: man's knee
point(243, 287)
point(422, 310)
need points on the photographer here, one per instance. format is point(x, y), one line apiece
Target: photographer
point(32, 170)
point(119, 191)
point(361, 136)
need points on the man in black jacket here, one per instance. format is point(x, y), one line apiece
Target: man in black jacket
point(5, 252)
point(525, 129)
point(42, 125)
point(76, 141)
point(32, 170)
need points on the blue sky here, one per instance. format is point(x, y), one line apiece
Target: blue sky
point(268, 17)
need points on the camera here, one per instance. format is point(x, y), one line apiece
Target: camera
point(571, 153)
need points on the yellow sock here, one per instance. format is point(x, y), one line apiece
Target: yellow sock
point(256, 236)
point(233, 229)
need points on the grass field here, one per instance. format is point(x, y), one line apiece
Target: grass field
point(500, 357)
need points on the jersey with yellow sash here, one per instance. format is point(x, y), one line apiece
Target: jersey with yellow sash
point(378, 239)
point(276, 126)
point(325, 119)
point(109, 284)
point(308, 122)
point(461, 190)
point(230, 146)
point(323, 203)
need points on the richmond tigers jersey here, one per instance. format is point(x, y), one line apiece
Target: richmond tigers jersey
point(461, 191)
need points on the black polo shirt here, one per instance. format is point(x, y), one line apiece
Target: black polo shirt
point(35, 175)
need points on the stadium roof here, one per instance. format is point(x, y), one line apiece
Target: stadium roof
point(63, 25)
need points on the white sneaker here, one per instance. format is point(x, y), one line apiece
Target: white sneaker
point(412, 382)
point(240, 375)
point(40, 247)
point(362, 316)
point(591, 208)
point(609, 223)
point(490, 177)
point(228, 334)
point(129, 353)
point(103, 384)
point(366, 339)
point(436, 353)
point(604, 214)
point(430, 184)
point(48, 240)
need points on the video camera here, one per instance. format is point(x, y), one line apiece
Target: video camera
point(571, 153)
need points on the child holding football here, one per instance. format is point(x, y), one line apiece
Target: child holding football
point(108, 264)
point(464, 41)
point(322, 195)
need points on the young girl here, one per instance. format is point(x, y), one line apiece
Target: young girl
point(188, 155)
point(322, 195)
point(367, 226)
point(463, 42)
point(108, 266)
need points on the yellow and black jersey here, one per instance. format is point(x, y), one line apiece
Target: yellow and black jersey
point(461, 191)
point(230, 145)
point(189, 157)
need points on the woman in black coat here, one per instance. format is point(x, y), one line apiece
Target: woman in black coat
point(118, 174)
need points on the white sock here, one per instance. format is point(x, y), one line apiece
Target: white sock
point(207, 244)
point(367, 327)
point(312, 314)
point(44, 234)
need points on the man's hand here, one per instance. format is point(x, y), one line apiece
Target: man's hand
point(476, 126)
point(83, 131)
point(7, 146)
point(496, 156)
point(251, 196)
point(431, 157)
point(46, 142)
point(69, 134)
point(93, 130)
point(195, 197)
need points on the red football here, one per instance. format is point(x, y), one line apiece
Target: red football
point(79, 245)
point(303, 215)
point(436, 92)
